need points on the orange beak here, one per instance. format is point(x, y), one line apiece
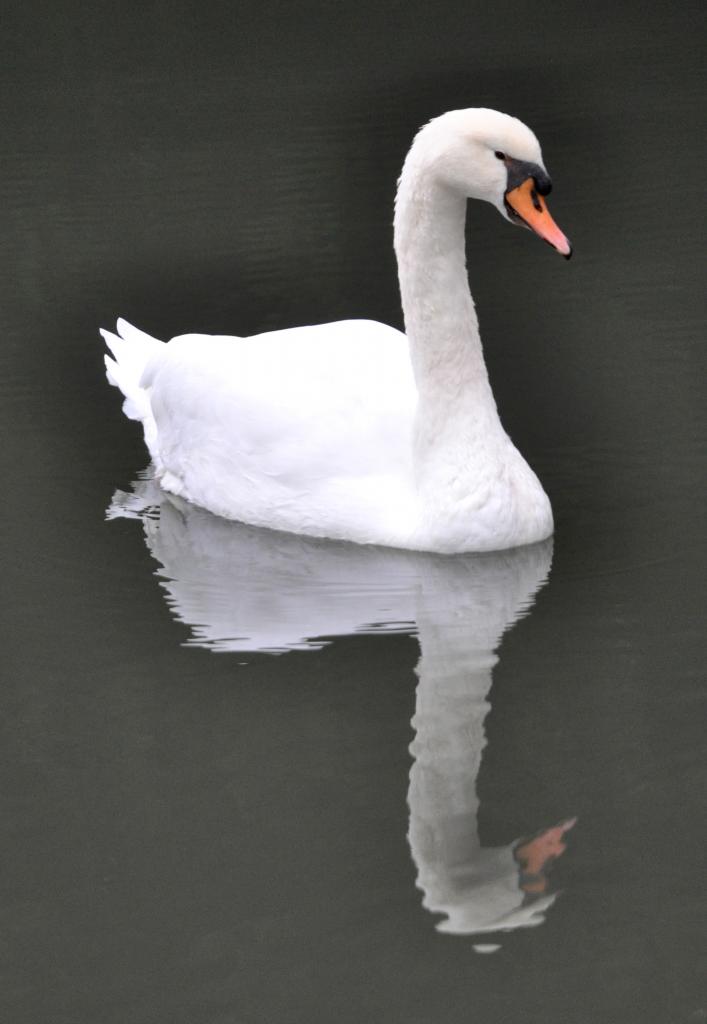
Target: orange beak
point(527, 206)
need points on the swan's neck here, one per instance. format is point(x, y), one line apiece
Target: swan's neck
point(456, 408)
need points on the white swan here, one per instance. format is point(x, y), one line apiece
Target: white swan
point(349, 430)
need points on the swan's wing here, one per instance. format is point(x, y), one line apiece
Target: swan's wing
point(305, 400)
point(283, 412)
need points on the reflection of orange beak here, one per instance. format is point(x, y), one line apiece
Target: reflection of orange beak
point(529, 206)
point(535, 856)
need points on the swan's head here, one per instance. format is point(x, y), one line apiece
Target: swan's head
point(492, 156)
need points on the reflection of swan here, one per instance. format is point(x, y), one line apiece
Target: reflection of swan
point(244, 589)
point(352, 430)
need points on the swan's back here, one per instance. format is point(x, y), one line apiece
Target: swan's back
point(297, 429)
point(308, 395)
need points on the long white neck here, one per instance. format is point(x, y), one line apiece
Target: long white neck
point(456, 408)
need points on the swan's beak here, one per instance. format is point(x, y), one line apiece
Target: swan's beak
point(525, 205)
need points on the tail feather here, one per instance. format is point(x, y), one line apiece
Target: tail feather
point(132, 349)
point(133, 334)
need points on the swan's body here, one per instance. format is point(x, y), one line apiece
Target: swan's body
point(351, 430)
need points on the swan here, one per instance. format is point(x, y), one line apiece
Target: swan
point(353, 430)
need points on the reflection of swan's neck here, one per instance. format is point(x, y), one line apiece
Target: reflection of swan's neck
point(477, 888)
point(450, 709)
point(455, 400)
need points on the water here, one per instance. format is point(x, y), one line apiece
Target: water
point(364, 826)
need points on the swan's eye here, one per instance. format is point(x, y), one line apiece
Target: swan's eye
point(499, 155)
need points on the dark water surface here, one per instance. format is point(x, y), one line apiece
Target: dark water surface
point(362, 828)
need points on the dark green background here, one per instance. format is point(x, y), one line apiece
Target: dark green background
point(190, 839)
